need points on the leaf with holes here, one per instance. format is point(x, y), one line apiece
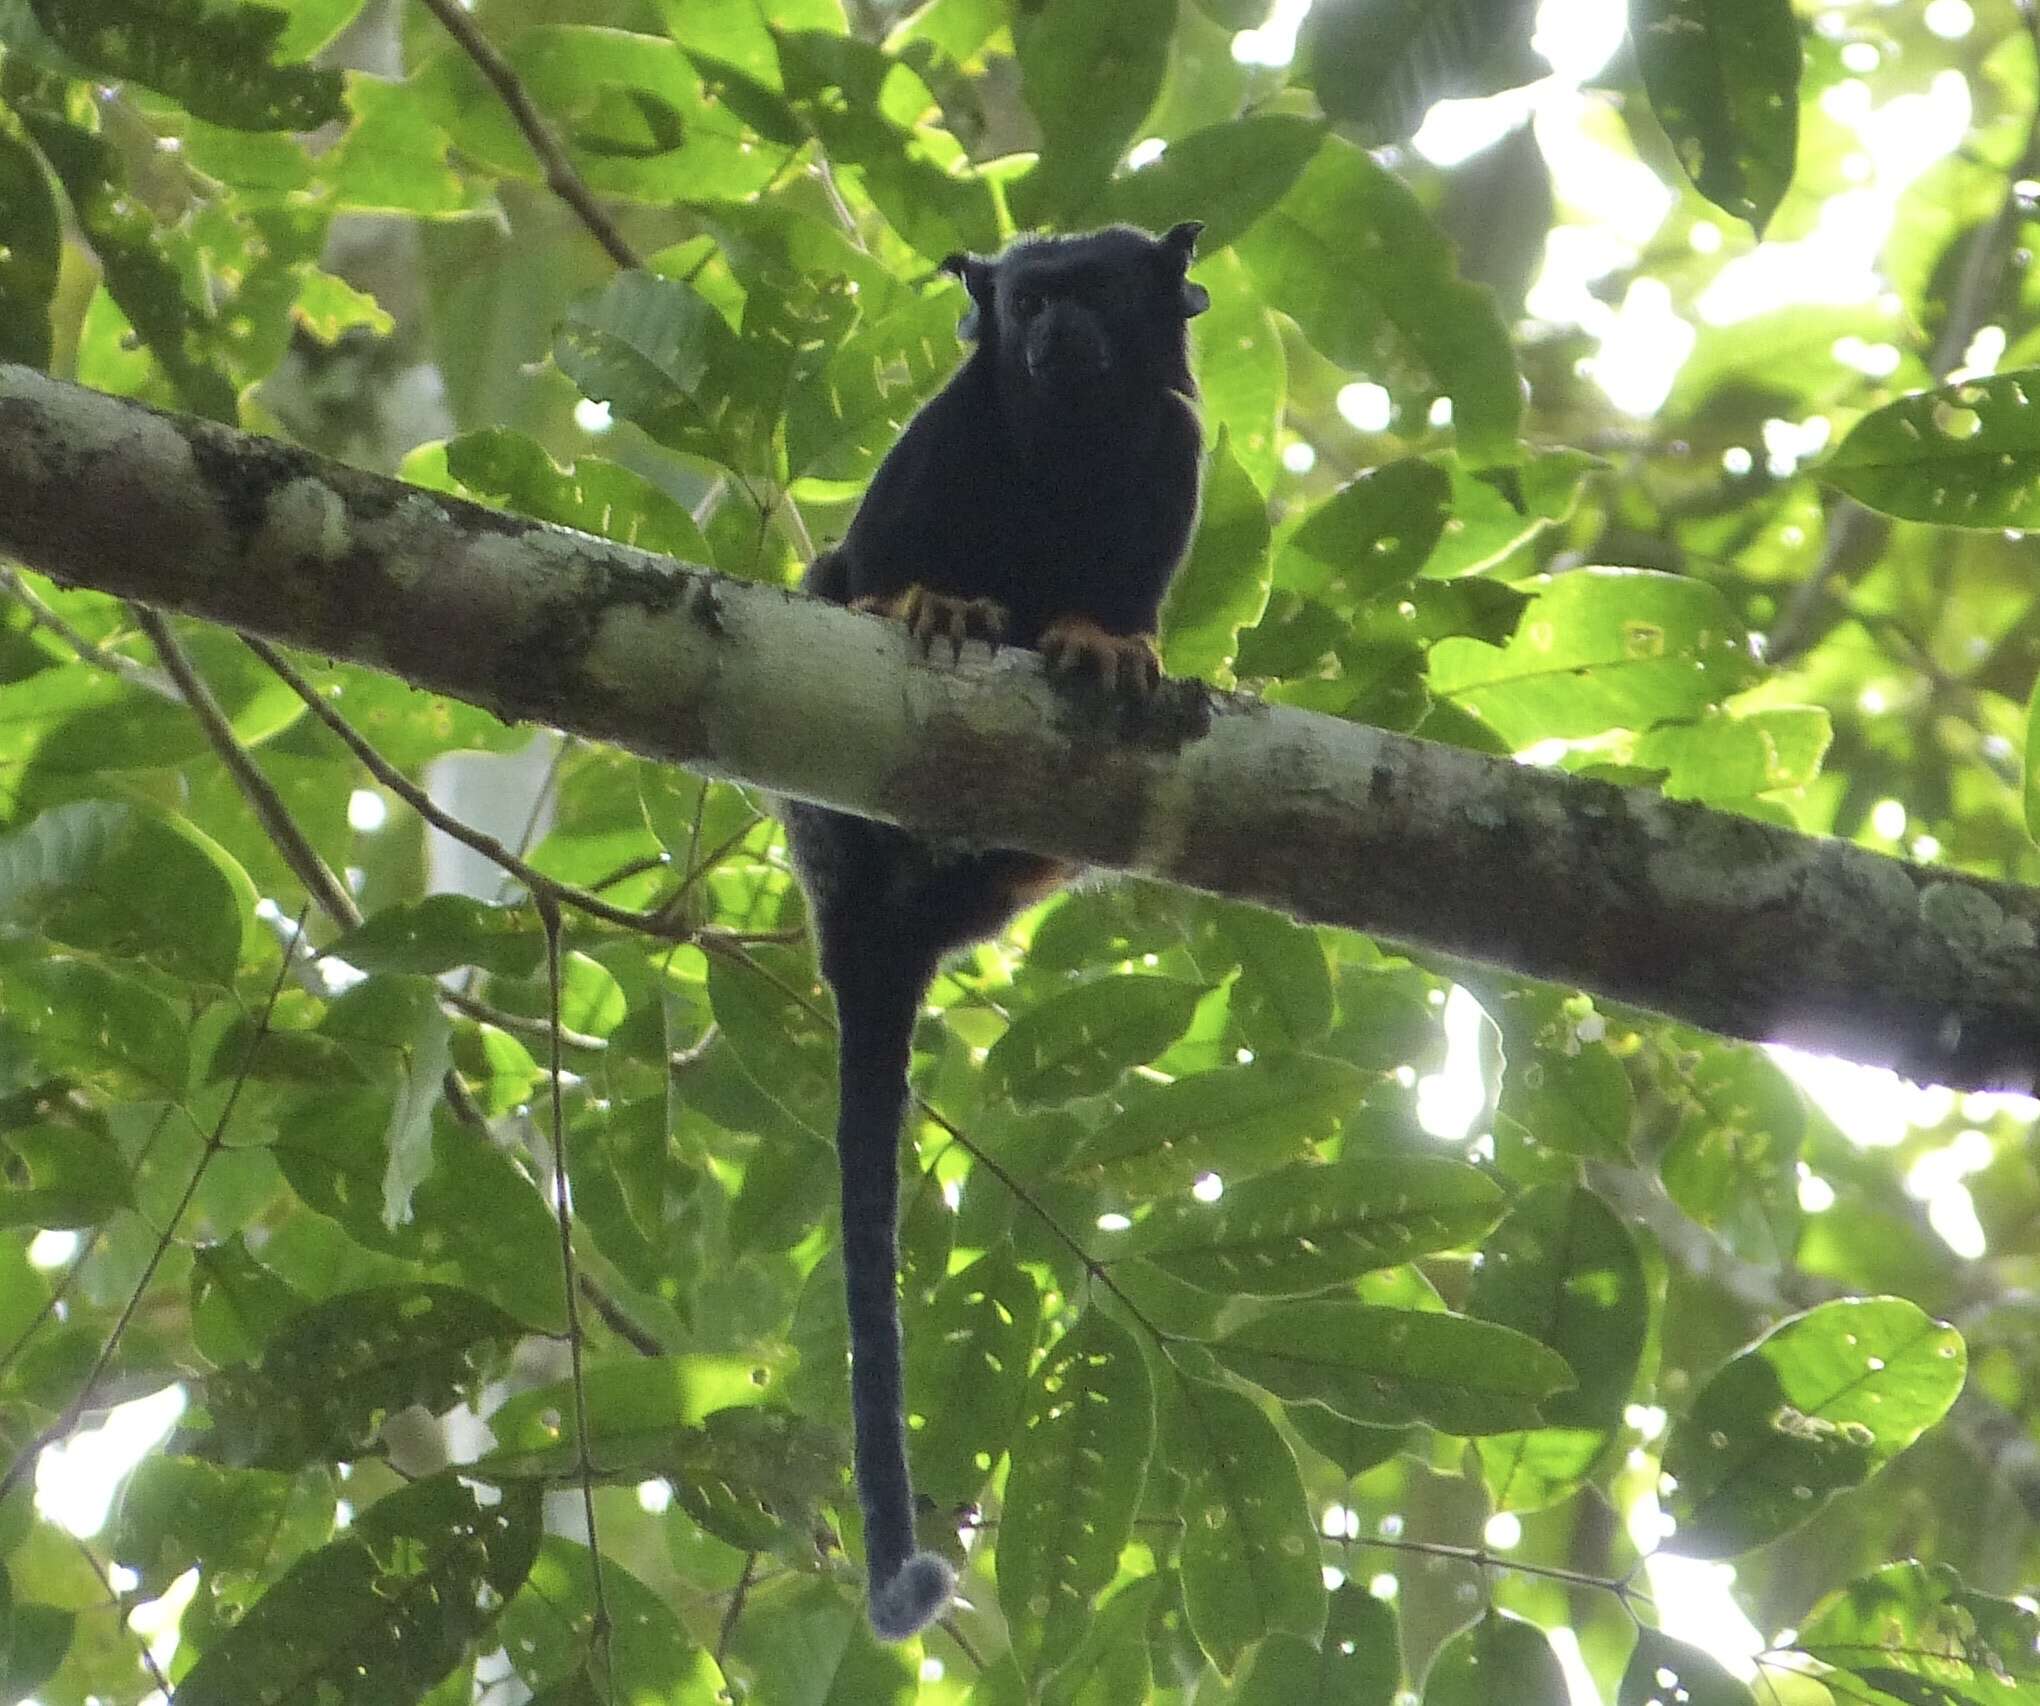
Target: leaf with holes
point(1816, 1406)
point(1962, 455)
point(1312, 1226)
point(1564, 1269)
point(967, 1364)
point(1078, 1044)
point(1078, 1468)
point(329, 1377)
point(1499, 1658)
point(1357, 1662)
point(1662, 1670)
point(1235, 1121)
point(1250, 1552)
point(1391, 1366)
point(381, 1612)
point(1723, 79)
point(1914, 1632)
point(641, 1415)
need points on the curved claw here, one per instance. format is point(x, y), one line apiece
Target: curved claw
point(932, 616)
point(1125, 663)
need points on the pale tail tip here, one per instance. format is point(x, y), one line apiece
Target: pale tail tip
point(914, 1598)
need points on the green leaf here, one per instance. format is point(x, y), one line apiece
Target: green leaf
point(61, 1175)
point(427, 1051)
point(1371, 535)
point(38, 1638)
point(1241, 366)
point(1961, 455)
point(805, 1641)
point(1392, 1366)
point(546, 1634)
point(74, 1018)
point(1914, 1632)
point(1724, 759)
point(968, 1351)
point(443, 931)
point(596, 496)
point(658, 353)
point(92, 875)
point(330, 1376)
point(1499, 1658)
point(1088, 73)
point(177, 1512)
point(393, 158)
point(1723, 79)
point(1350, 255)
point(388, 1607)
point(1226, 175)
point(1078, 1468)
point(1356, 1663)
point(215, 62)
point(1223, 587)
point(1079, 1043)
point(1562, 1083)
point(1563, 1268)
point(1250, 1557)
point(1381, 64)
point(1315, 1225)
point(1662, 1669)
point(1112, 1663)
point(643, 1416)
point(1234, 1121)
point(1282, 998)
point(1601, 649)
point(1733, 1163)
point(1818, 1405)
point(842, 420)
point(476, 1215)
point(30, 256)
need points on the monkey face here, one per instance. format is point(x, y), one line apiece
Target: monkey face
point(1071, 318)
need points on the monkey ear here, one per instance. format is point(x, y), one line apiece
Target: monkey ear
point(976, 274)
point(1181, 243)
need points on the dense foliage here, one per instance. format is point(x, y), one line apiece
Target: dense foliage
point(1231, 1378)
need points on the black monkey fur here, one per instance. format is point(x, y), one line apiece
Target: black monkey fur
point(1043, 497)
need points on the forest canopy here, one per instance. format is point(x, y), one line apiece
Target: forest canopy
point(1643, 394)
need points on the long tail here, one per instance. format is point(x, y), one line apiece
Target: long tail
point(908, 1589)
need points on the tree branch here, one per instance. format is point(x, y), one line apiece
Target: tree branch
point(1721, 921)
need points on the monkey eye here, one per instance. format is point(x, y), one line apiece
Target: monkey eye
point(1027, 303)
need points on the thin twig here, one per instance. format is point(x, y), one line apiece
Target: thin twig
point(42, 615)
point(1479, 1557)
point(476, 1008)
point(326, 889)
point(560, 176)
point(490, 848)
point(118, 1602)
point(215, 1141)
point(619, 1320)
point(735, 1609)
point(548, 910)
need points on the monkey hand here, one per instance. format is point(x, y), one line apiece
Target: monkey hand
point(932, 616)
point(1075, 645)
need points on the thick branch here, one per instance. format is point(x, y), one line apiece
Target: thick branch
point(1717, 920)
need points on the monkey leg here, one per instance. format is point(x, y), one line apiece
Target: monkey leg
point(1076, 645)
point(932, 616)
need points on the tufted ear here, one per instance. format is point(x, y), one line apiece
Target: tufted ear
point(1181, 243)
point(976, 273)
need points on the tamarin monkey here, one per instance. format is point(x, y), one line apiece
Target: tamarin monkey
point(1042, 498)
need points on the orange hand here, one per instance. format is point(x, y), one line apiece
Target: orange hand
point(932, 616)
point(1076, 644)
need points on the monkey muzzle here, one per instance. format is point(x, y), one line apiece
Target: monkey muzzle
point(1067, 349)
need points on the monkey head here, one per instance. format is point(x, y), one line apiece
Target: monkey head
point(1074, 322)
